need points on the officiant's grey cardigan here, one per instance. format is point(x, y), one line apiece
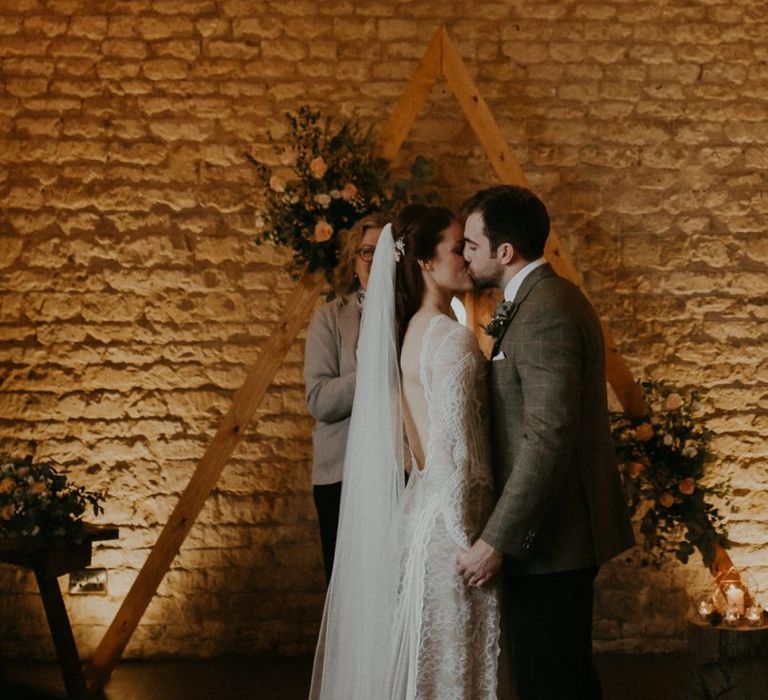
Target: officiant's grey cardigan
point(330, 365)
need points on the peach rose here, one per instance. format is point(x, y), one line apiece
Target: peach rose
point(323, 231)
point(8, 511)
point(7, 484)
point(644, 432)
point(687, 486)
point(673, 402)
point(635, 469)
point(37, 488)
point(349, 192)
point(323, 199)
point(666, 499)
point(317, 167)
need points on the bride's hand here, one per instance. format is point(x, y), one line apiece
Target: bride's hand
point(479, 564)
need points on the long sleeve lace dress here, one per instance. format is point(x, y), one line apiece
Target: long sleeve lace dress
point(446, 633)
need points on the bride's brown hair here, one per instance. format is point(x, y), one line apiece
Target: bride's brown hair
point(420, 227)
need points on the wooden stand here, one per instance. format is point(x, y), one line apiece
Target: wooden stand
point(50, 558)
point(729, 663)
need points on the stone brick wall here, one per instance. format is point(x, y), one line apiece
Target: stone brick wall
point(134, 300)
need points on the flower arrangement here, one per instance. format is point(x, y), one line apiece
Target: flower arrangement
point(331, 179)
point(663, 458)
point(36, 500)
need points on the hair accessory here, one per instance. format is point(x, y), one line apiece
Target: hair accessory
point(399, 248)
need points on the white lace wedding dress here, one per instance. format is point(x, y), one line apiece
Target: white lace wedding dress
point(399, 623)
point(446, 633)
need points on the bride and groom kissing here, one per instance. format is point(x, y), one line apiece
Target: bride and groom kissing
point(513, 499)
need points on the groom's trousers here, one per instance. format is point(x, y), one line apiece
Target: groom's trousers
point(550, 631)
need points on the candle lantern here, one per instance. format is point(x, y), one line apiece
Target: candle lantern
point(734, 597)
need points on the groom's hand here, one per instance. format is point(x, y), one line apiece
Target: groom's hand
point(479, 564)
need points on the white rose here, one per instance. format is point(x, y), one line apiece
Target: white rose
point(277, 183)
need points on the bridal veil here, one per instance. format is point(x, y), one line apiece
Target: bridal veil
point(354, 648)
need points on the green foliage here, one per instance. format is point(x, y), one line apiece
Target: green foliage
point(336, 180)
point(664, 459)
point(36, 500)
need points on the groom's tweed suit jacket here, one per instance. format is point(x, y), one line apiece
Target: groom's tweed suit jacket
point(560, 501)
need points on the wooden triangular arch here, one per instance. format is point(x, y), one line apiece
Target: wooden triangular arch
point(440, 59)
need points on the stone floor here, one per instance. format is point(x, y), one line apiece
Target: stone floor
point(625, 677)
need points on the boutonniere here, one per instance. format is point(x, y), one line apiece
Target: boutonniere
point(500, 319)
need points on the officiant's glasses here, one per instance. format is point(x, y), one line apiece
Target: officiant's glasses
point(366, 253)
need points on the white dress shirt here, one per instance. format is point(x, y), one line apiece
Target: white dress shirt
point(510, 291)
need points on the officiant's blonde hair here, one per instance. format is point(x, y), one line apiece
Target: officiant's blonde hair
point(344, 279)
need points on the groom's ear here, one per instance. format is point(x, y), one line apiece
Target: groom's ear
point(505, 253)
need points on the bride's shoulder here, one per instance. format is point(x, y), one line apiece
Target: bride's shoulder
point(448, 333)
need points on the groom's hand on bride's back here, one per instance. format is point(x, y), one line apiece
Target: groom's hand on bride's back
point(479, 564)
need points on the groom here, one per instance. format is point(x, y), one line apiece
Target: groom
point(561, 512)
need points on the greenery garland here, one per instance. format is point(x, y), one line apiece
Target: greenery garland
point(664, 458)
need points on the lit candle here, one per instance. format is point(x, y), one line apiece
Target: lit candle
point(735, 598)
point(731, 617)
point(706, 608)
point(754, 615)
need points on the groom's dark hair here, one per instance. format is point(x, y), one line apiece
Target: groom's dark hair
point(513, 215)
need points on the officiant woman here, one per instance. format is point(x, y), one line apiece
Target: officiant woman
point(329, 374)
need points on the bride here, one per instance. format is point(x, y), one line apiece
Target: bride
point(399, 621)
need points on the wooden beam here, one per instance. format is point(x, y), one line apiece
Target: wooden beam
point(230, 432)
point(244, 405)
point(488, 133)
point(627, 390)
point(412, 100)
point(479, 115)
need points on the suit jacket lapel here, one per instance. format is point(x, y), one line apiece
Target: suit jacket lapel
point(532, 280)
point(525, 289)
point(500, 336)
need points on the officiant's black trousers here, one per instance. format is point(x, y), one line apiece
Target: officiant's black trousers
point(328, 503)
point(550, 631)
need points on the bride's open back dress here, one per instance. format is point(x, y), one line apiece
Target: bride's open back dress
point(446, 632)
